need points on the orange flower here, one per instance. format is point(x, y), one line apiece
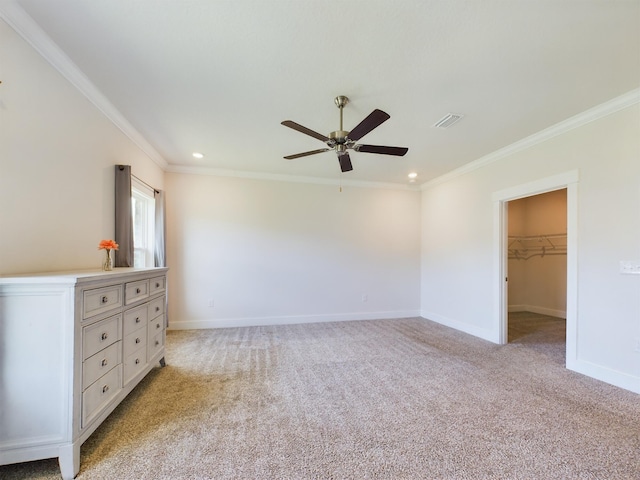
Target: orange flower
point(108, 245)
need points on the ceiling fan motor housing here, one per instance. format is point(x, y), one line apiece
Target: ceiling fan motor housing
point(339, 136)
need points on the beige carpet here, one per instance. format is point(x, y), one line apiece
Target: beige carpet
point(388, 399)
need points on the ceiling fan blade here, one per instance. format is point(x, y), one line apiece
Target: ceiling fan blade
point(374, 119)
point(345, 162)
point(398, 151)
point(304, 154)
point(305, 130)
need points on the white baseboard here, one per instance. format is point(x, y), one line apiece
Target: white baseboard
point(288, 320)
point(607, 375)
point(485, 334)
point(541, 310)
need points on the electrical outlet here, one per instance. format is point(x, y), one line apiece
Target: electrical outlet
point(637, 347)
point(210, 303)
point(365, 297)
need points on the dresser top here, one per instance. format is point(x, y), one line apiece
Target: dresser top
point(79, 276)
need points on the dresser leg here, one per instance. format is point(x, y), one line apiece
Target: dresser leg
point(162, 362)
point(69, 461)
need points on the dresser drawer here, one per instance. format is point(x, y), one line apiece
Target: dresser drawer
point(134, 363)
point(134, 341)
point(156, 326)
point(135, 318)
point(156, 307)
point(101, 300)
point(100, 394)
point(157, 285)
point(155, 345)
point(134, 291)
point(100, 335)
point(97, 365)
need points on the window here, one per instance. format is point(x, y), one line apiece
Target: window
point(143, 212)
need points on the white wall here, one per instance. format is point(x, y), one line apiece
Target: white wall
point(539, 283)
point(276, 252)
point(458, 215)
point(57, 153)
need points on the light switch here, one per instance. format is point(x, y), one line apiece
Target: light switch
point(629, 268)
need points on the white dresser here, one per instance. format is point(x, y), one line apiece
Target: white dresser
point(72, 346)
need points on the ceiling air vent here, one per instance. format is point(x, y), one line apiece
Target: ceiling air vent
point(448, 120)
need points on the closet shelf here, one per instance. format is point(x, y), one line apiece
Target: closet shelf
point(523, 247)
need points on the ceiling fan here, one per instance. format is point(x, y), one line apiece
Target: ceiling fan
point(340, 141)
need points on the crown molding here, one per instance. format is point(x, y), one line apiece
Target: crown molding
point(31, 32)
point(614, 105)
point(218, 172)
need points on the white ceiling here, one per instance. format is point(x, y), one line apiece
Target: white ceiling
point(219, 76)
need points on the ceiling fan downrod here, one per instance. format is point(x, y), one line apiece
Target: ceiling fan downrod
point(340, 136)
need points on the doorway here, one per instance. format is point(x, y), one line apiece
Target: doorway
point(537, 272)
point(568, 181)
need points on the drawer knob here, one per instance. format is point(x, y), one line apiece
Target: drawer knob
point(137, 319)
point(137, 340)
point(157, 325)
point(104, 336)
point(157, 309)
point(157, 343)
point(137, 361)
point(137, 290)
point(104, 299)
point(105, 389)
point(104, 362)
point(157, 285)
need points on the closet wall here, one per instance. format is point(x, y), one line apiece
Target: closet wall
point(537, 254)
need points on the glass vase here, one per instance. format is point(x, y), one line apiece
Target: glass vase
point(108, 262)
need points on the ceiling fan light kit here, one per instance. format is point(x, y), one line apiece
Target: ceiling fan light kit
point(341, 140)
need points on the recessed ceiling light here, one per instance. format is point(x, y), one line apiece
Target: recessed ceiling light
point(198, 155)
point(413, 175)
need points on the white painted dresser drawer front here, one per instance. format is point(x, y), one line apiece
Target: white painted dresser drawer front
point(134, 341)
point(134, 364)
point(155, 344)
point(134, 291)
point(101, 300)
point(100, 335)
point(157, 285)
point(100, 393)
point(100, 363)
point(156, 307)
point(156, 326)
point(135, 318)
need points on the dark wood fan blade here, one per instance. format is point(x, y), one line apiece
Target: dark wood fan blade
point(398, 151)
point(305, 130)
point(374, 119)
point(305, 154)
point(345, 162)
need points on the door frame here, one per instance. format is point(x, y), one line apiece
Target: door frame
point(568, 180)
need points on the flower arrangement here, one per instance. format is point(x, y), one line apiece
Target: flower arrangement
point(108, 245)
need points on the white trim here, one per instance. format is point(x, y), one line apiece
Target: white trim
point(485, 334)
point(288, 320)
point(595, 113)
point(219, 172)
point(607, 375)
point(568, 180)
point(31, 32)
point(552, 312)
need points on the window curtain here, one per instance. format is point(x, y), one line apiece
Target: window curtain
point(124, 219)
point(160, 253)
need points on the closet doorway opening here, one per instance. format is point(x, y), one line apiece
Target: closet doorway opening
point(537, 272)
